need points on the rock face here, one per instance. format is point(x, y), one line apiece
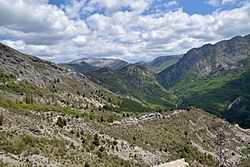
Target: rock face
point(207, 60)
point(177, 163)
point(150, 117)
point(213, 76)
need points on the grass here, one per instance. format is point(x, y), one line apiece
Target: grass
point(22, 87)
point(19, 105)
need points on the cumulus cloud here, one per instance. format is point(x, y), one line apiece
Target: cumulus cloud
point(214, 3)
point(61, 34)
point(137, 6)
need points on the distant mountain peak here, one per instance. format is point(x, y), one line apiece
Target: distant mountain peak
point(112, 63)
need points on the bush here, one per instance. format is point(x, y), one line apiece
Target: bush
point(96, 140)
point(99, 154)
point(29, 99)
point(61, 122)
point(115, 142)
point(1, 120)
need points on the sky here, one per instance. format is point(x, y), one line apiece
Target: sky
point(132, 30)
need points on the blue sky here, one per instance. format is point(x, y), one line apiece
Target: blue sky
point(189, 6)
point(132, 30)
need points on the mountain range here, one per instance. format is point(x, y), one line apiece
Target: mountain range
point(210, 77)
point(135, 82)
point(112, 113)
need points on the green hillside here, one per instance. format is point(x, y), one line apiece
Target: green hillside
point(215, 93)
point(135, 82)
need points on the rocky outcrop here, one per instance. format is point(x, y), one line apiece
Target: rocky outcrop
point(177, 163)
point(141, 119)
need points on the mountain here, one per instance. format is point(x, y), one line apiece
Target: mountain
point(161, 63)
point(81, 67)
point(213, 76)
point(51, 115)
point(136, 82)
point(114, 64)
point(24, 76)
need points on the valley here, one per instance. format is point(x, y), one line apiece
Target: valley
point(193, 112)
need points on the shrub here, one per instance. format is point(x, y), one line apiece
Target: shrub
point(61, 122)
point(96, 140)
point(1, 120)
point(99, 154)
point(83, 141)
point(92, 146)
point(115, 142)
point(29, 99)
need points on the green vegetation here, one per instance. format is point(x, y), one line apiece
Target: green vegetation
point(19, 105)
point(163, 65)
point(29, 99)
point(140, 84)
point(215, 93)
point(26, 144)
point(6, 77)
point(170, 135)
point(22, 87)
point(132, 106)
point(58, 146)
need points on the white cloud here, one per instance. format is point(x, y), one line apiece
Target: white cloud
point(38, 28)
point(214, 3)
point(172, 3)
point(113, 6)
point(227, 1)
point(220, 3)
point(73, 9)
